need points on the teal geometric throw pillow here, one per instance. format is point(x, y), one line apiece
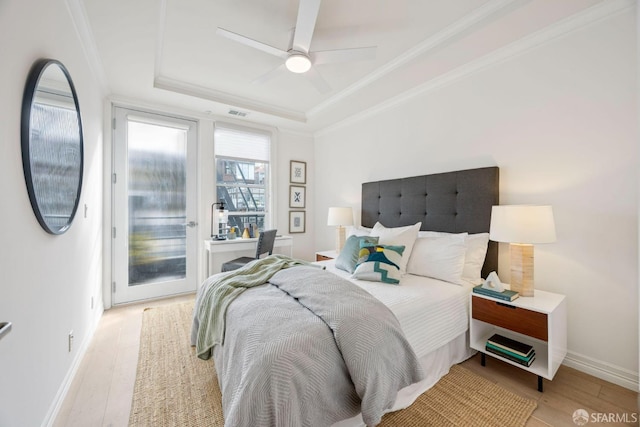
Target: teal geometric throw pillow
point(348, 257)
point(379, 263)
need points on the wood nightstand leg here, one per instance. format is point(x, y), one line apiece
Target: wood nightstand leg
point(540, 384)
point(483, 359)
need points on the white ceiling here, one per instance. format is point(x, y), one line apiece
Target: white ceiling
point(167, 51)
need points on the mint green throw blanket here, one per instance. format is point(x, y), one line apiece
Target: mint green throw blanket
point(221, 289)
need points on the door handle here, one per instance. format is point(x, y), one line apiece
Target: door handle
point(5, 327)
point(190, 224)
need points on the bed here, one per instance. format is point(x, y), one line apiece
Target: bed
point(253, 362)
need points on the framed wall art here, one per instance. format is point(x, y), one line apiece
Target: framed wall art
point(296, 221)
point(298, 172)
point(297, 196)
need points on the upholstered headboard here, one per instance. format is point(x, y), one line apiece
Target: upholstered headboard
point(453, 202)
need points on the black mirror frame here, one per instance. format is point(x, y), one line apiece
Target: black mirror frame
point(25, 136)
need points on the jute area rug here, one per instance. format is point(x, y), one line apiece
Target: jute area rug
point(175, 388)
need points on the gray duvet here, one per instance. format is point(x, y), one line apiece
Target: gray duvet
point(309, 349)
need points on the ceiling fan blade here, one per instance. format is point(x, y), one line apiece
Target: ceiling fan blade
point(318, 81)
point(269, 75)
point(343, 55)
point(305, 24)
point(252, 43)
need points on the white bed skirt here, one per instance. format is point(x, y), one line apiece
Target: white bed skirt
point(436, 365)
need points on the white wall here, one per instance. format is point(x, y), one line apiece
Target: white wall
point(560, 121)
point(47, 281)
point(297, 146)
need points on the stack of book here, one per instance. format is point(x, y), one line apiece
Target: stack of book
point(506, 295)
point(510, 349)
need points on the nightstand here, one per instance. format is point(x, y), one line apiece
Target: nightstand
point(326, 255)
point(540, 321)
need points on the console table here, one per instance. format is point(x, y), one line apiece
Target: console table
point(220, 251)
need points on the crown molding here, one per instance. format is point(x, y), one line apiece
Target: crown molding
point(294, 132)
point(177, 86)
point(592, 15)
point(88, 42)
point(162, 19)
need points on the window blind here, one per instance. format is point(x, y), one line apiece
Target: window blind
point(240, 144)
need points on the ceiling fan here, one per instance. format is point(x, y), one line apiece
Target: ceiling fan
point(298, 58)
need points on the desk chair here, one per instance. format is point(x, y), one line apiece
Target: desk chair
point(265, 245)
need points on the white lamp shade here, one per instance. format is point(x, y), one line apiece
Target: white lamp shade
point(340, 216)
point(223, 216)
point(522, 224)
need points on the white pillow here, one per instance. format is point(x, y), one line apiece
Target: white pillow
point(439, 257)
point(398, 236)
point(357, 230)
point(437, 234)
point(474, 259)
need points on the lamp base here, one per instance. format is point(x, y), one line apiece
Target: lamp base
point(522, 269)
point(340, 238)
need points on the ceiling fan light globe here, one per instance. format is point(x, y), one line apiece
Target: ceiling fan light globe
point(298, 63)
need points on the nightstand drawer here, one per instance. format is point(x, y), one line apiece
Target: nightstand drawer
point(326, 255)
point(505, 315)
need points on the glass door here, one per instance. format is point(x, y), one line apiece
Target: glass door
point(154, 206)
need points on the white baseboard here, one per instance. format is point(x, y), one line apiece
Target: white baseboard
point(603, 370)
point(73, 369)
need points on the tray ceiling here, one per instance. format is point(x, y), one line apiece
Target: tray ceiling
point(168, 52)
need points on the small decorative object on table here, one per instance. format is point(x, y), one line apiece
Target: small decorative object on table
point(493, 282)
point(505, 295)
point(493, 287)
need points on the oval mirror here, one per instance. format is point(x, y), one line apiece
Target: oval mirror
point(52, 146)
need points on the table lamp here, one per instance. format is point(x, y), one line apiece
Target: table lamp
point(522, 226)
point(222, 218)
point(340, 217)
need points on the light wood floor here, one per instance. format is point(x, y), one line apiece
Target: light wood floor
point(101, 392)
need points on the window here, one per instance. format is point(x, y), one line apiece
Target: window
point(242, 174)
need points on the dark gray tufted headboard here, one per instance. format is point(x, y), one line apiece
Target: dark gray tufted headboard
point(453, 202)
